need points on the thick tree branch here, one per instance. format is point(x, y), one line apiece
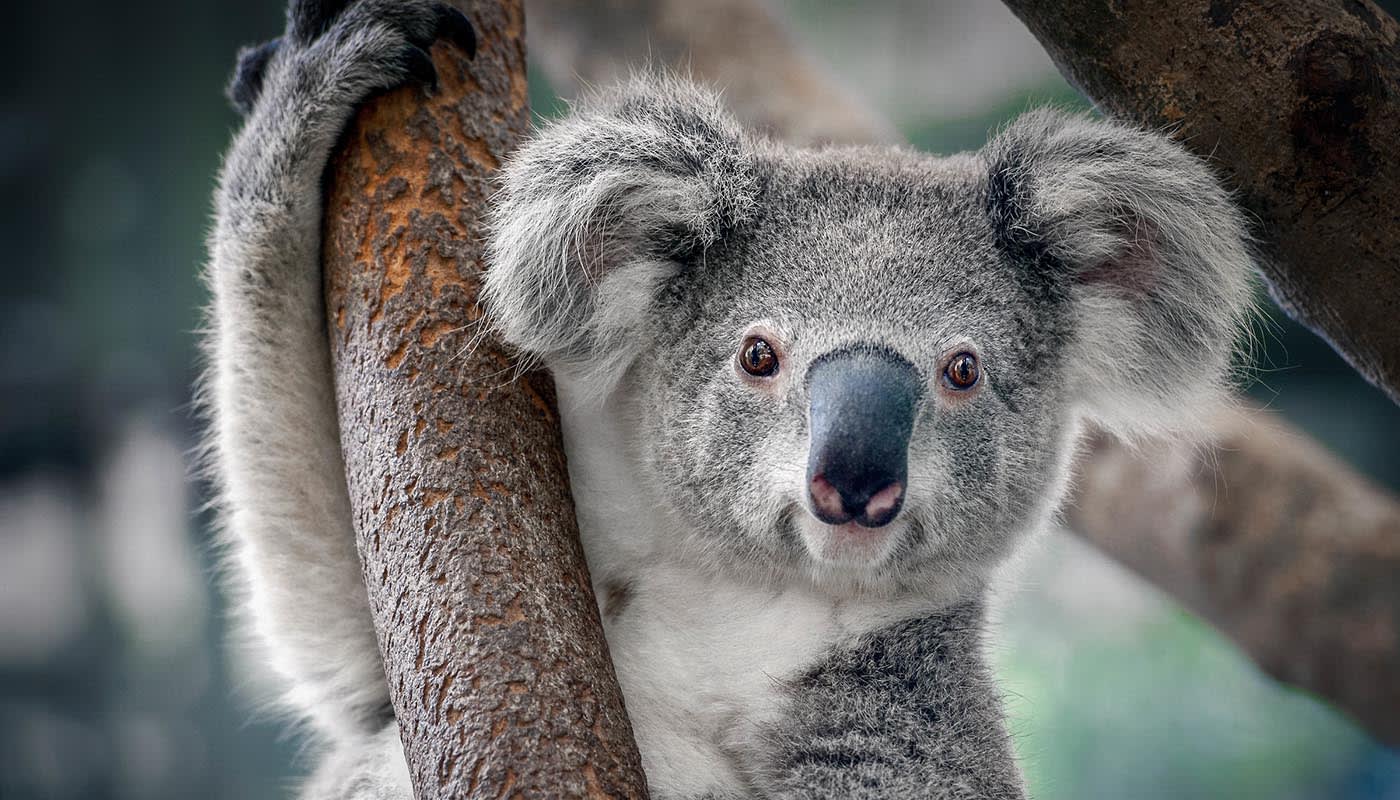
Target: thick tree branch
point(1300, 104)
point(1288, 552)
point(490, 636)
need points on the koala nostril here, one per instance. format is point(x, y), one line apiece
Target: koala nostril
point(827, 503)
point(836, 507)
point(883, 506)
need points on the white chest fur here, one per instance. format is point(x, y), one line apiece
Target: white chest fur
point(702, 658)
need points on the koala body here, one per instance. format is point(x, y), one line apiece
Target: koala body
point(812, 398)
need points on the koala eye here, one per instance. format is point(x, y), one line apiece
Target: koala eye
point(962, 371)
point(758, 358)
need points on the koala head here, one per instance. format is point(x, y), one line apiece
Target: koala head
point(865, 366)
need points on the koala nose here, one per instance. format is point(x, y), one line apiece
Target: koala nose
point(861, 414)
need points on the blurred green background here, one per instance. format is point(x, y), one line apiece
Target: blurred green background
point(114, 677)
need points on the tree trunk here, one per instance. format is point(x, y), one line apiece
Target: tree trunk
point(1285, 550)
point(487, 624)
point(1299, 103)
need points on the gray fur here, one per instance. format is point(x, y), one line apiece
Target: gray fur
point(616, 197)
point(274, 448)
point(1097, 270)
point(908, 712)
point(1015, 249)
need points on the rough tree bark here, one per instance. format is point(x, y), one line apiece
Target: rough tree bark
point(1289, 553)
point(1284, 549)
point(491, 640)
point(1300, 103)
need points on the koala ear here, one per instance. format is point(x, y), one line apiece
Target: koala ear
point(600, 209)
point(1144, 250)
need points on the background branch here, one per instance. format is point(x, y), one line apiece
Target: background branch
point(1300, 104)
point(1286, 550)
point(769, 81)
point(1291, 554)
point(491, 640)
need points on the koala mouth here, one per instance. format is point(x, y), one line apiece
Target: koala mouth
point(849, 544)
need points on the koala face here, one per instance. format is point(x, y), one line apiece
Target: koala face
point(861, 366)
point(852, 385)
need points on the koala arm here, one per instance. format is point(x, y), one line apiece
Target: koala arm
point(273, 439)
point(908, 711)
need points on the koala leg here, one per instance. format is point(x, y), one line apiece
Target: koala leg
point(273, 436)
point(372, 769)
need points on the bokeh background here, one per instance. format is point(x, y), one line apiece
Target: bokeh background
point(114, 679)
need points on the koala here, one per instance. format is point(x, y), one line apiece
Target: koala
point(812, 401)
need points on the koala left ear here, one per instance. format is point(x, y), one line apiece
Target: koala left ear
point(1142, 248)
point(598, 210)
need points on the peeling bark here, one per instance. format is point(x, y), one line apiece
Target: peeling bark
point(1288, 552)
point(1300, 104)
point(488, 628)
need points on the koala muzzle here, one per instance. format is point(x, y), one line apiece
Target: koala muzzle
point(861, 414)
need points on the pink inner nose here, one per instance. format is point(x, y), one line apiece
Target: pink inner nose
point(826, 498)
point(884, 501)
point(829, 504)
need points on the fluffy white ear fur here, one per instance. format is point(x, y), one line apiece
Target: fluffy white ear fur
point(598, 211)
point(1157, 259)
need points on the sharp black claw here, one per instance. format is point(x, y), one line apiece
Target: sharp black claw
point(420, 67)
point(454, 25)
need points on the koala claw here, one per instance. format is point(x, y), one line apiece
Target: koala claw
point(454, 26)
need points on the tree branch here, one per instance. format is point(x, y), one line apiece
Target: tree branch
point(490, 635)
point(769, 81)
point(1300, 103)
point(1289, 553)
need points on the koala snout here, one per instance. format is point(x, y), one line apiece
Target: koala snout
point(862, 402)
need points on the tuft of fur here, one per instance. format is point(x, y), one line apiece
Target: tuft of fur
point(1147, 248)
point(273, 447)
point(599, 209)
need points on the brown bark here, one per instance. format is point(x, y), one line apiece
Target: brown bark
point(1299, 103)
point(1288, 552)
point(490, 636)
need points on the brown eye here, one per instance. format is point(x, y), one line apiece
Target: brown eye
point(962, 371)
point(757, 358)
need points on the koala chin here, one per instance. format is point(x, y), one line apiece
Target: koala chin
point(812, 398)
point(811, 393)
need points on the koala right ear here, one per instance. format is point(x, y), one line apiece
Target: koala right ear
point(600, 209)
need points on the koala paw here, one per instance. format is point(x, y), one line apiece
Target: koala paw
point(353, 48)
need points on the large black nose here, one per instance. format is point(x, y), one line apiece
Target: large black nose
point(862, 405)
